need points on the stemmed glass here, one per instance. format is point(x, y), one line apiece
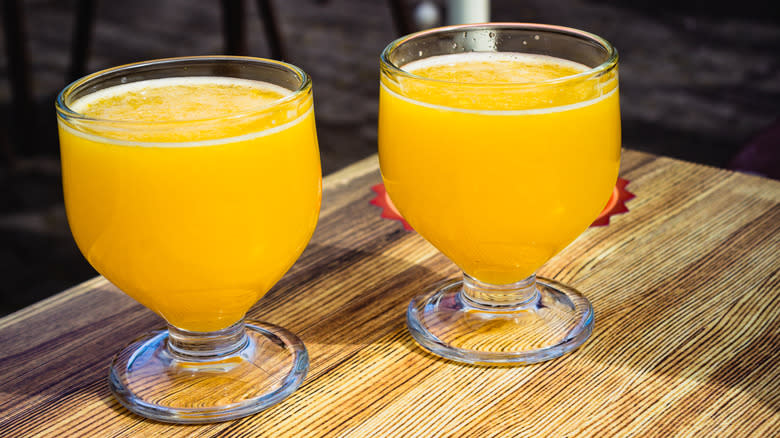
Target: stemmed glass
point(499, 172)
point(195, 199)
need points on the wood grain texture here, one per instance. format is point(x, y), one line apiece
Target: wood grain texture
point(686, 291)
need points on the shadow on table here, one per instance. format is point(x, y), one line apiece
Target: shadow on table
point(337, 295)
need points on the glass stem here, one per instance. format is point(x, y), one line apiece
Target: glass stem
point(499, 296)
point(201, 346)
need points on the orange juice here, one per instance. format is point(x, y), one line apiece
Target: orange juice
point(197, 195)
point(497, 170)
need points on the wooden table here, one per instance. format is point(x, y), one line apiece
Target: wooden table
point(686, 290)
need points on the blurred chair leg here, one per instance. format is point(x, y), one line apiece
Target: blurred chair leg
point(400, 18)
point(233, 27)
point(19, 76)
point(82, 37)
point(468, 11)
point(272, 34)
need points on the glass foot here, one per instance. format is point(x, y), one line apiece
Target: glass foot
point(550, 320)
point(186, 377)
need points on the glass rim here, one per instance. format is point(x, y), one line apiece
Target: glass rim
point(67, 113)
point(609, 64)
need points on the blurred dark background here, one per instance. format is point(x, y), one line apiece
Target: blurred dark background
point(700, 81)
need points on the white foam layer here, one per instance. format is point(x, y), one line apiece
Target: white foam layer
point(83, 102)
point(189, 144)
point(468, 57)
point(549, 110)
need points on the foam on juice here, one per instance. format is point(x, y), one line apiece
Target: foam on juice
point(494, 67)
point(186, 111)
point(179, 99)
point(499, 83)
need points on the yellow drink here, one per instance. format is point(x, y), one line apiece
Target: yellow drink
point(197, 196)
point(496, 171)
